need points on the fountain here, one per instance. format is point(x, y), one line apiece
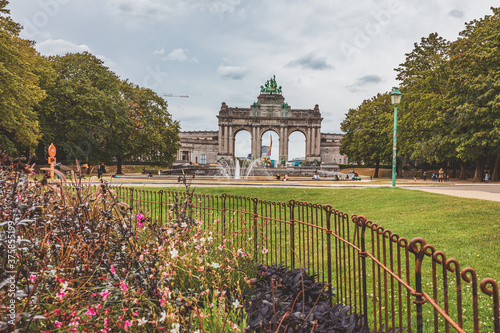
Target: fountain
point(232, 169)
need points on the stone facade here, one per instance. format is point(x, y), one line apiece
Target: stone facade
point(269, 112)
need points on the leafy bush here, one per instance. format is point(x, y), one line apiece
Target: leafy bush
point(76, 259)
point(290, 301)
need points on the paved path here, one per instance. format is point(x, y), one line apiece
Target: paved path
point(470, 190)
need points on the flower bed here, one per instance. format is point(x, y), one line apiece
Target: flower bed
point(76, 259)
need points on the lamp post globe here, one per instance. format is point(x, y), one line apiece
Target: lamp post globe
point(395, 100)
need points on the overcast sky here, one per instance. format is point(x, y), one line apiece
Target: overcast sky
point(332, 53)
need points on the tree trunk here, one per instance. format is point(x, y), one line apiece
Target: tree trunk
point(478, 174)
point(495, 173)
point(119, 165)
point(377, 167)
point(463, 171)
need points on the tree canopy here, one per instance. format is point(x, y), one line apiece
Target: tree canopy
point(79, 104)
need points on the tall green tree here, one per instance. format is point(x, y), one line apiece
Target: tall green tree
point(368, 132)
point(84, 96)
point(19, 87)
point(475, 92)
point(424, 115)
point(148, 133)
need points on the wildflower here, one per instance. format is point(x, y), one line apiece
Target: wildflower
point(126, 324)
point(60, 295)
point(90, 312)
point(123, 285)
point(221, 247)
point(174, 253)
point(163, 317)
point(112, 269)
point(264, 251)
point(215, 265)
point(32, 278)
point(140, 216)
point(184, 225)
point(58, 324)
point(140, 224)
point(105, 294)
point(236, 304)
point(175, 328)
point(141, 322)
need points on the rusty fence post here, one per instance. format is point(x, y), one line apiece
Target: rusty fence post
point(223, 196)
point(361, 222)
point(131, 190)
point(161, 206)
point(328, 209)
point(419, 300)
point(291, 204)
point(255, 223)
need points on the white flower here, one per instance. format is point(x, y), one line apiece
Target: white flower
point(142, 321)
point(175, 328)
point(209, 238)
point(215, 265)
point(174, 253)
point(184, 225)
point(236, 304)
point(163, 316)
point(202, 239)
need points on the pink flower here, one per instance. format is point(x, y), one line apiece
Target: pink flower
point(104, 294)
point(60, 295)
point(140, 224)
point(264, 251)
point(112, 269)
point(140, 216)
point(126, 324)
point(58, 324)
point(123, 286)
point(32, 278)
point(90, 312)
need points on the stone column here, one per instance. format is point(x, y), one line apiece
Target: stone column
point(220, 152)
point(258, 141)
point(253, 144)
point(226, 142)
point(231, 142)
point(318, 141)
point(308, 143)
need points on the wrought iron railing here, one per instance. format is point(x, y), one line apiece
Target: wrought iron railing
point(395, 284)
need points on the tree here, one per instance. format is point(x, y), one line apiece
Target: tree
point(149, 133)
point(475, 92)
point(424, 116)
point(368, 132)
point(19, 88)
point(83, 98)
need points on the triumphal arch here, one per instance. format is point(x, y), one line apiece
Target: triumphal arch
point(268, 112)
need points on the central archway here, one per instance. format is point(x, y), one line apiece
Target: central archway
point(270, 113)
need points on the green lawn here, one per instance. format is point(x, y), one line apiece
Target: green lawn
point(465, 229)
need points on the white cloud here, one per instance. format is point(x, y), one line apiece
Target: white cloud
point(231, 72)
point(159, 52)
point(60, 47)
point(180, 55)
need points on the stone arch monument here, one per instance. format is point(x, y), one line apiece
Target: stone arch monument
point(270, 112)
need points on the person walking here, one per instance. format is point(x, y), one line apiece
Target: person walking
point(99, 172)
point(441, 175)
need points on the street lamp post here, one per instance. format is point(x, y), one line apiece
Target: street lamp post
point(395, 100)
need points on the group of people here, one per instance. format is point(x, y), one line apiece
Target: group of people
point(440, 176)
point(285, 177)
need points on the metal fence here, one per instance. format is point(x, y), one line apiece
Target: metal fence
point(394, 284)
